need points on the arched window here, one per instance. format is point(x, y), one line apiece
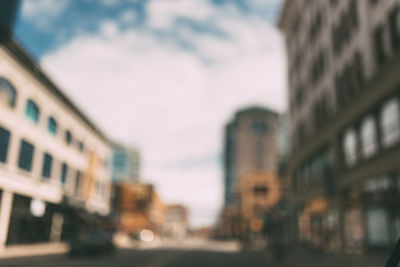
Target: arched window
point(8, 94)
point(368, 137)
point(32, 111)
point(52, 126)
point(390, 122)
point(350, 147)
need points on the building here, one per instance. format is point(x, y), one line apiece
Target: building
point(251, 170)
point(125, 164)
point(53, 159)
point(175, 225)
point(138, 207)
point(250, 146)
point(343, 59)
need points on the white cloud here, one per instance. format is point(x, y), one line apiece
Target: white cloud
point(128, 16)
point(162, 13)
point(41, 12)
point(109, 28)
point(168, 102)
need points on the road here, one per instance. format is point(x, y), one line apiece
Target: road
point(149, 258)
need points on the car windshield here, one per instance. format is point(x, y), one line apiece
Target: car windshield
point(199, 133)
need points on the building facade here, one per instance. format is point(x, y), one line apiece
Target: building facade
point(251, 171)
point(125, 164)
point(343, 59)
point(250, 146)
point(53, 160)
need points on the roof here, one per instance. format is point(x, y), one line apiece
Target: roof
point(31, 66)
point(255, 109)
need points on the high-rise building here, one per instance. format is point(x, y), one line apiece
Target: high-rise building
point(250, 147)
point(344, 121)
point(125, 164)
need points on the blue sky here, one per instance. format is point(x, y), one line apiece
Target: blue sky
point(164, 76)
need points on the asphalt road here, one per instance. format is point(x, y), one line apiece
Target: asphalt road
point(150, 258)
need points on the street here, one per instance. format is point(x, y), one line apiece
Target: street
point(197, 252)
point(149, 258)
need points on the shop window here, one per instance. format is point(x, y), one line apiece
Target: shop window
point(390, 122)
point(368, 137)
point(377, 227)
point(4, 143)
point(52, 126)
point(350, 147)
point(26, 153)
point(8, 94)
point(47, 165)
point(64, 173)
point(32, 111)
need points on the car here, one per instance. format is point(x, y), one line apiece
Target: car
point(97, 243)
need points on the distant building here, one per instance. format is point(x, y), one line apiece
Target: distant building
point(125, 164)
point(250, 146)
point(138, 207)
point(251, 164)
point(54, 174)
point(344, 122)
point(175, 224)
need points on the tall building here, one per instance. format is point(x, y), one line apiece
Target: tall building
point(252, 185)
point(250, 147)
point(125, 164)
point(344, 61)
point(53, 159)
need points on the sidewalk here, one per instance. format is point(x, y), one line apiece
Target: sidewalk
point(307, 258)
point(17, 251)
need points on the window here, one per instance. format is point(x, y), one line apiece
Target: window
point(77, 181)
point(64, 173)
point(368, 137)
point(52, 126)
point(32, 111)
point(4, 142)
point(390, 122)
point(26, 156)
point(81, 146)
point(260, 190)
point(8, 94)
point(379, 46)
point(259, 128)
point(68, 137)
point(47, 165)
point(394, 22)
point(350, 147)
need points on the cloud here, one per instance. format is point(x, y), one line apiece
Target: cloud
point(169, 101)
point(42, 12)
point(163, 13)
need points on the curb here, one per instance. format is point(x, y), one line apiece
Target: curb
point(42, 249)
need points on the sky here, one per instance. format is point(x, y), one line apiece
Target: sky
point(165, 77)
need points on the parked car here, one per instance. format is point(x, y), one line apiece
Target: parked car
point(93, 244)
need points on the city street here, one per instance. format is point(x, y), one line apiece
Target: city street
point(198, 252)
point(149, 258)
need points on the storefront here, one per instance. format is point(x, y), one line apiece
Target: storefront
point(318, 225)
point(372, 215)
